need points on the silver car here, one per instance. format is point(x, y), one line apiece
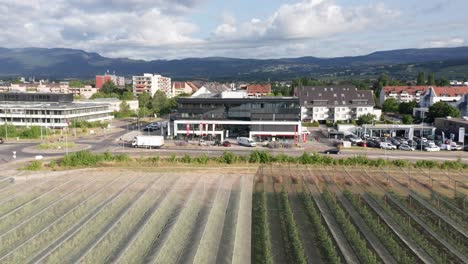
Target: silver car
point(406, 148)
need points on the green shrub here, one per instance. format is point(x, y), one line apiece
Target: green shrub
point(35, 165)
point(186, 159)
point(401, 163)
point(228, 158)
point(428, 164)
point(260, 157)
point(53, 164)
point(203, 159)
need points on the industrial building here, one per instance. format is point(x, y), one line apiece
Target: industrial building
point(48, 110)
point(218, 116)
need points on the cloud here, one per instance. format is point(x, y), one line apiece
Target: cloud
point(309, 19)
point(446, 43)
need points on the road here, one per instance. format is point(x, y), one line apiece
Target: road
point(110, 142)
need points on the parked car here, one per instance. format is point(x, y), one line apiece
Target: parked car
point(432, 147)
point(362, 144)
point(332, 151)
point(202, 142)
point(226, 144)
point(373, 144)
point(406, 147)
point(244, 141)
point(387, 145)
point(455, 146)
point(148, 129)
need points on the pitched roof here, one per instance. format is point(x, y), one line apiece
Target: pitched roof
point(409, 89)
point(216, 87)
point(334, 96)
point(451, 91)
point(259, 88)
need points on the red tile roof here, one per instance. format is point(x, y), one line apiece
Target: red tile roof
point(409, 89)
point(451, 91)
point(259, 89)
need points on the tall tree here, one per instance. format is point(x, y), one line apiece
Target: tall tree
point(159, 102)
point(144, 100)
point(443, 82)
point(442, 109)
point(390, 105)
point(407, 119)
point(431, 79)
point(76, 84)
point(407, 108)
point(109, 87)
point(366, 119)
point(421, 80)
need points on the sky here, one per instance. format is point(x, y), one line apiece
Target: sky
point(175, 29)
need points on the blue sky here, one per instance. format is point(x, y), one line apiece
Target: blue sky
point(171, 29)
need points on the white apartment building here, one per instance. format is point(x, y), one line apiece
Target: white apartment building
point(339, 103)
point(151, 83)
point(62, 87)
point(451, 95)
point(403, 94)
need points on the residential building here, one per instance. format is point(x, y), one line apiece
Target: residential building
point(179, 88)
point(151, 83)
point(48, 110)
point(119, 81)
point(221, 117)
point(42, 87)
point(458, 83)
point(452, 95)
point(402, 94)
point(258, 90)
point(335, 103)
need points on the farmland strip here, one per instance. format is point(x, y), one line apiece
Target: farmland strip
point(211, 237)
point(440, 239)
point(12, 240)
point(242, 243)
point(126, 237)
point(333, 226)
point(76, 227)
point(261, 242)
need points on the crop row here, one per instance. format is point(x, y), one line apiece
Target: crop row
point(385, 235)
point(40, 240)
point(178, 238)
point(261, 243)
point(71, 246)
point(242, 242)
point(290, 233)
point(141, 245)
point(22, 187)
point(110, 244)
point(438, 255)
point(449, 209)
point(325, 240)
point(29, 210)
point(209, 242)
point(365, 254)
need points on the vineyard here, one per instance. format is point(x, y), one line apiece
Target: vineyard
point(335, 214)
point(255, 214)
point(126, 217)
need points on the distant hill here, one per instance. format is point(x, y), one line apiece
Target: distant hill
point(57, 63)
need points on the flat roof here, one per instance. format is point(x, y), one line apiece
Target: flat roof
point(393, 126)
point(48, 105)
point(457, 120)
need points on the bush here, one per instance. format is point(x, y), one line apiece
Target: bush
point(428, 164)
point(260, 157)
point(203, 159)
point(186, 159)
point(228, 158)
point(35, 165)
point(86, 158)
point(53, 164)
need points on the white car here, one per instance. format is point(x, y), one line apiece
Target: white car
point(406, 147)
point(432, 148)
point(387, 145)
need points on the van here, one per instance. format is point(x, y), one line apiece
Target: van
point(244, 141)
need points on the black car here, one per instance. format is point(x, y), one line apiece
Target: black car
point(148, 128)
point(332, 151)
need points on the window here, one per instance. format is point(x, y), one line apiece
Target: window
point(334, 95)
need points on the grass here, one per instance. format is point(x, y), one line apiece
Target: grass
point(56, 145)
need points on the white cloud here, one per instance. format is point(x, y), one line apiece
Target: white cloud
point(446, 43)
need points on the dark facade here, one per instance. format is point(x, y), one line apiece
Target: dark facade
point(245, 109)
point(451, 126)
point(333, 96)
point(36, 97)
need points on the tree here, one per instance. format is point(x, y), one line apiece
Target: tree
point(159, 102)
point(127, 96)
point(143, 111)
point(443, 82)
point(144, 100)
point(125, 109)
point(431, 79)
point(76, 84)
point(366, 119)
point(421, 79)
point(110, 87)
point(407, 108)
point(390, 105)
point(407, 119)
point(442, 109)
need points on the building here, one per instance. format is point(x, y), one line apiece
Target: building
point(402, 94)
point(119, 81)
point(211, 88)
point(258, 90)
point(179, 88)
point(151, 83)
point(337, 103)
point(451, 95)
point(42, 87)
point(454, 128)
point(48, 110)
point(114, 103)
point(221, 117)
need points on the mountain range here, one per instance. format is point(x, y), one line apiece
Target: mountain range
point(59, 63)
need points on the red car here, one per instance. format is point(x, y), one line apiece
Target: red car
point(226, 144)
point(362, 144)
